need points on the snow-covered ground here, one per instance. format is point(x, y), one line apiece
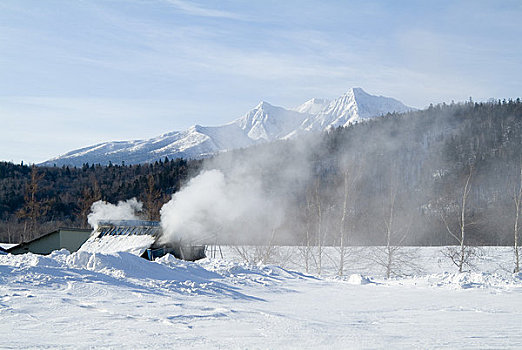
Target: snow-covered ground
point(89, 300)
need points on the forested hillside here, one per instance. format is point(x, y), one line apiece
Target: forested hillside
point(34, 200)
point(401, 177)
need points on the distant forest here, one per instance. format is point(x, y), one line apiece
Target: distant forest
point(402, 173)
point(35, 200)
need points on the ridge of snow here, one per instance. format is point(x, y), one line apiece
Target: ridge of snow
point(312, 106)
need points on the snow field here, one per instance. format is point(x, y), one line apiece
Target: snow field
point(90, 300)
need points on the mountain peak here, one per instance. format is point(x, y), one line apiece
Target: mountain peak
point(355, 93)
point(195, 128)
point(352, 107)
point(312, 106)
point(263, 105)
point(267, 122)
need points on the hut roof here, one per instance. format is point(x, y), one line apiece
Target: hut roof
point(132, 236)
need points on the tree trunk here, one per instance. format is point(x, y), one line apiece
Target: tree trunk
point(465, 194)
point(307, 249)
point(389, 229)
point(319, 230)
point(518, 201)
point(341, 228)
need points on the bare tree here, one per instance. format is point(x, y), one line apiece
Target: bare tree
point(7, 236)
point(12, 229)
point(463, 254)
point(517, 198)
point(320, 234)
point(342, 225)
point(390, 249)
point(315, 232)
point(8, 231)
point(306, 250)
point(393, 257)
point(152, 199)
point(264, 254)
point(350, 176)
point(33, 208)
point(89, 196)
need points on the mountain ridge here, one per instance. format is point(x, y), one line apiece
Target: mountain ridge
point(264, 123)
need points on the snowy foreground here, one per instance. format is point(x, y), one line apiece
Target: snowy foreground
point(86, 300)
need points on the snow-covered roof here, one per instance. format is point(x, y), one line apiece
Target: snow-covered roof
point(6, 246)
point(132, 236)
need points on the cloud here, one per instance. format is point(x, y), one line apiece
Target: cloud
point(194, 9)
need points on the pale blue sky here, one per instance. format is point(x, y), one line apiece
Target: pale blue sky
point(75, 73)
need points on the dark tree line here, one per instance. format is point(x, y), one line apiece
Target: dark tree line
point(34, 200)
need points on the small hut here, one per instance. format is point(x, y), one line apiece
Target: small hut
point(138, 237)
point(62, 238)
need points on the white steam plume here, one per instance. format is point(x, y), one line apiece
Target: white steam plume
point(104, 211)
point(214, 207)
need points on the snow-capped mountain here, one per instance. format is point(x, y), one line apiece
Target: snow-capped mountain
point(264, 123)
point(352, 107)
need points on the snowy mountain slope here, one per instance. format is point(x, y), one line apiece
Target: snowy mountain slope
point(312, 106)
point(264, 123)
point(354, 106)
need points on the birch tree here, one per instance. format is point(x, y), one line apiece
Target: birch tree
point(343, 224)
point(392, 256)
point(463, 254)
point(517, 198)
point(306, 250)
point(320, 228)
point(350, 176)
point(316, 208)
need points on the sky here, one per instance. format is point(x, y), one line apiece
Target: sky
point(77, 73)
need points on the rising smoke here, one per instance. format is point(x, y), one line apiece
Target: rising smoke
point(215, 207)
point(104, 211)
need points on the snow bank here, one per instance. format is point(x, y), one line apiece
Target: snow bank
point(209, 277)
point(247, 274)
point(468, 280)
point(358, 279)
